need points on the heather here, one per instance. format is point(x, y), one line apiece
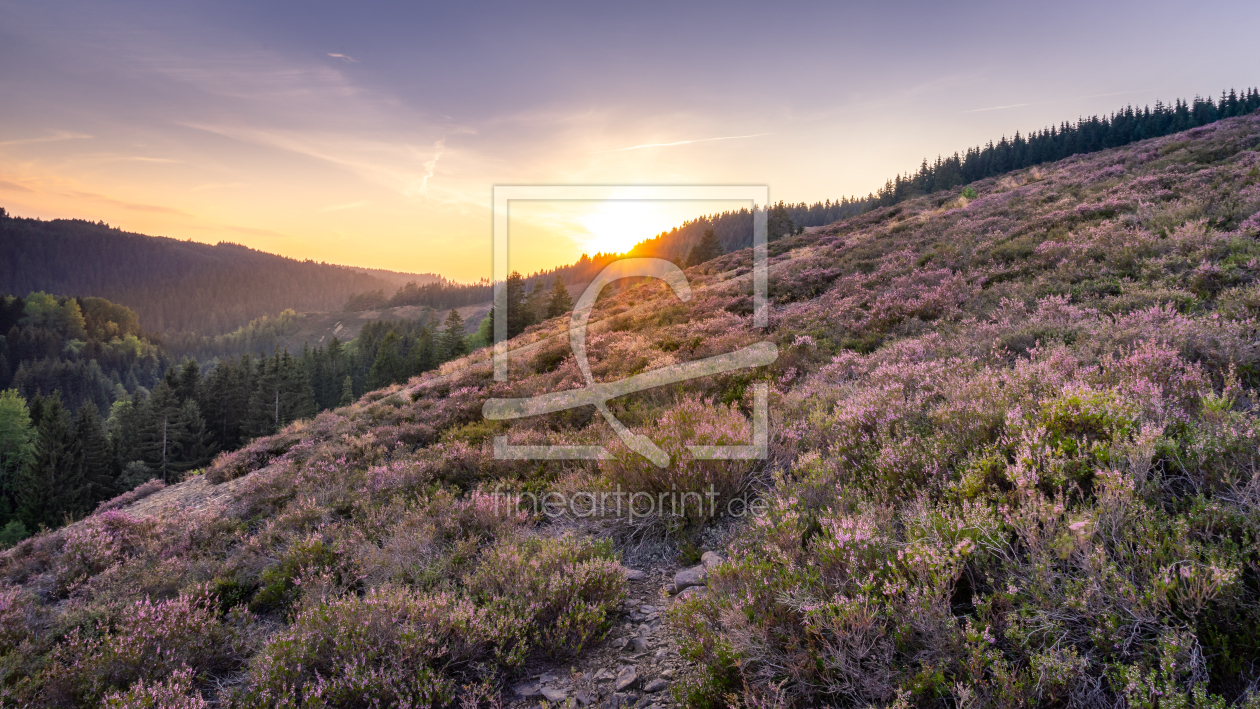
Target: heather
point(1012, 461)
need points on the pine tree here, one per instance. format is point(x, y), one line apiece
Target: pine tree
point(160, 434)
point(388, 367)
point(453, 336)
point(560, 302)
point(52, 486)
point(347, 391)
point(194, 445)
point(422, 357)
point(98, 466)
point(518, 315)
point(707, 249)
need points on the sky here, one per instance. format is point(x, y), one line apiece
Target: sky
point(371, 134)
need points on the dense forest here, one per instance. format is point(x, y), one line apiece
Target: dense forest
point(91, 406)
point(174, 286)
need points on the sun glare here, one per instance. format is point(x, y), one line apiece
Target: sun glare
point(615, 226)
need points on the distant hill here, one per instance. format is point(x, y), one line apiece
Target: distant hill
point(172, 285)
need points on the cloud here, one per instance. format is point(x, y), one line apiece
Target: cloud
point(132, 206)
point(430, 166)
point(680, 142)
point(13, 187)
point(339, 207)
point(218, 186)
point(997, 108)
point(343, 57)
point(60, 135)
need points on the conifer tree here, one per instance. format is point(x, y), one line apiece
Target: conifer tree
point(707, 249)
point(560, 302)
point(52, 486)
point(453, 336)
point(388, 367)
point(518, 315)
point(98, 466)
point(347, 391)
point(422, 357)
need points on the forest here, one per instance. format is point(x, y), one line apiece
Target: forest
point(173, 286)
point(91, 406)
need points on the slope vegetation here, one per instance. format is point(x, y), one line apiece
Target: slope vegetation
point(1012, 461)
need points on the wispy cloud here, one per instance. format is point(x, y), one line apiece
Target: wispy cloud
point(680, 142)
point(339, 207)
point(343, 57)
point(13, 187)
point(59, 135)
point(218, 186)
point(430, 166)
point(997, 108)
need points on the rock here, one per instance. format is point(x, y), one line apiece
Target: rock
point(656, 685)
point(646, 609)
point(603, 675)
point(528, 690)
point(633, 574)
point(552, 694)
point(695, 576)
point(660, 654)
point(668, 674)
point(690, 592)
point(620, 643)
point(628, 677)
point(640, 644)
point(585, 698)
point(709, 559)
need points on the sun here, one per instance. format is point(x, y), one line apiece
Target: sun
point(615, 226)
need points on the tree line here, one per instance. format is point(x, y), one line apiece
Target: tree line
point(174, 286)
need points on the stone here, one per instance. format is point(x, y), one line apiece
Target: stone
point(656, 685)
point(527, 690)
point(668, 674)
point(646, 609)
point(584, 697)
point(620, 643)
point(640, 644)
point(627, 678)
point(660, 654)
point(690, 592)
point(552, 694)
point(633, 574)
point(603, 675)
point(709, 559)
point(695, 576)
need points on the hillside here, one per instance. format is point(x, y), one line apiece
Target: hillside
point(174, 286)
point(1012, 461)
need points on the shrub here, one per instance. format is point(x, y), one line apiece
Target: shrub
point(702, 488)
point(391, 647)
point(560, 589)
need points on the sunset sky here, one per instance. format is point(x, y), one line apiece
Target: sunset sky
point(371, 134)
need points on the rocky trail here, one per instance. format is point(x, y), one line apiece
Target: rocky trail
point(636, 663)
